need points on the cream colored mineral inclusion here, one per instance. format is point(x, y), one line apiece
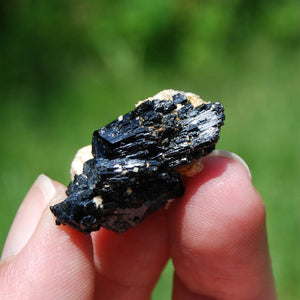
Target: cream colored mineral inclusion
point(194, 99)
point(84, 154)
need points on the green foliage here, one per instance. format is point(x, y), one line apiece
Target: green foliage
point(68, 67)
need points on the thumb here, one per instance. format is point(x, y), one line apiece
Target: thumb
point(41, 260)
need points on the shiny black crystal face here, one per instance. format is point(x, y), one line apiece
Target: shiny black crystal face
point(133, 172)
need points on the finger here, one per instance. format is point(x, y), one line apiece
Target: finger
point(218, 236)
point(55, 263)
point(129, 265)
point(30, 210)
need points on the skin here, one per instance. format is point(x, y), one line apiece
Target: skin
point(215, 235)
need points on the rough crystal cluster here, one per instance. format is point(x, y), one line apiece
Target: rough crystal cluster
point(137, 161)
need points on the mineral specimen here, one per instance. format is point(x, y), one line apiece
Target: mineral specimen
point(138, 160)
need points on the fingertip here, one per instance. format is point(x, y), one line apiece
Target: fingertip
point(220, 195)
point(55, 263)
point(29, 213)
point(231, 156)
point(218, 228)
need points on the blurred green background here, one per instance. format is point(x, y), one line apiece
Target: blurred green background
point(69, 67)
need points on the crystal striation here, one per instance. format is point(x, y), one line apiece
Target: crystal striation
point(136, 161)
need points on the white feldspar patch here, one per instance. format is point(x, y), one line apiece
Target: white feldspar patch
point(84, 154)
point(194, 99)
point(98, 201)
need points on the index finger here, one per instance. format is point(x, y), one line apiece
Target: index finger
point(218, 236)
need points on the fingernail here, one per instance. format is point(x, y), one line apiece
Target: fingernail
point(46, 186)
point(231, 155)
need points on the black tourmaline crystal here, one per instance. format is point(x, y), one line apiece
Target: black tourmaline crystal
point(136, 159)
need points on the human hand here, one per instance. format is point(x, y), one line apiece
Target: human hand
point(215, 235)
